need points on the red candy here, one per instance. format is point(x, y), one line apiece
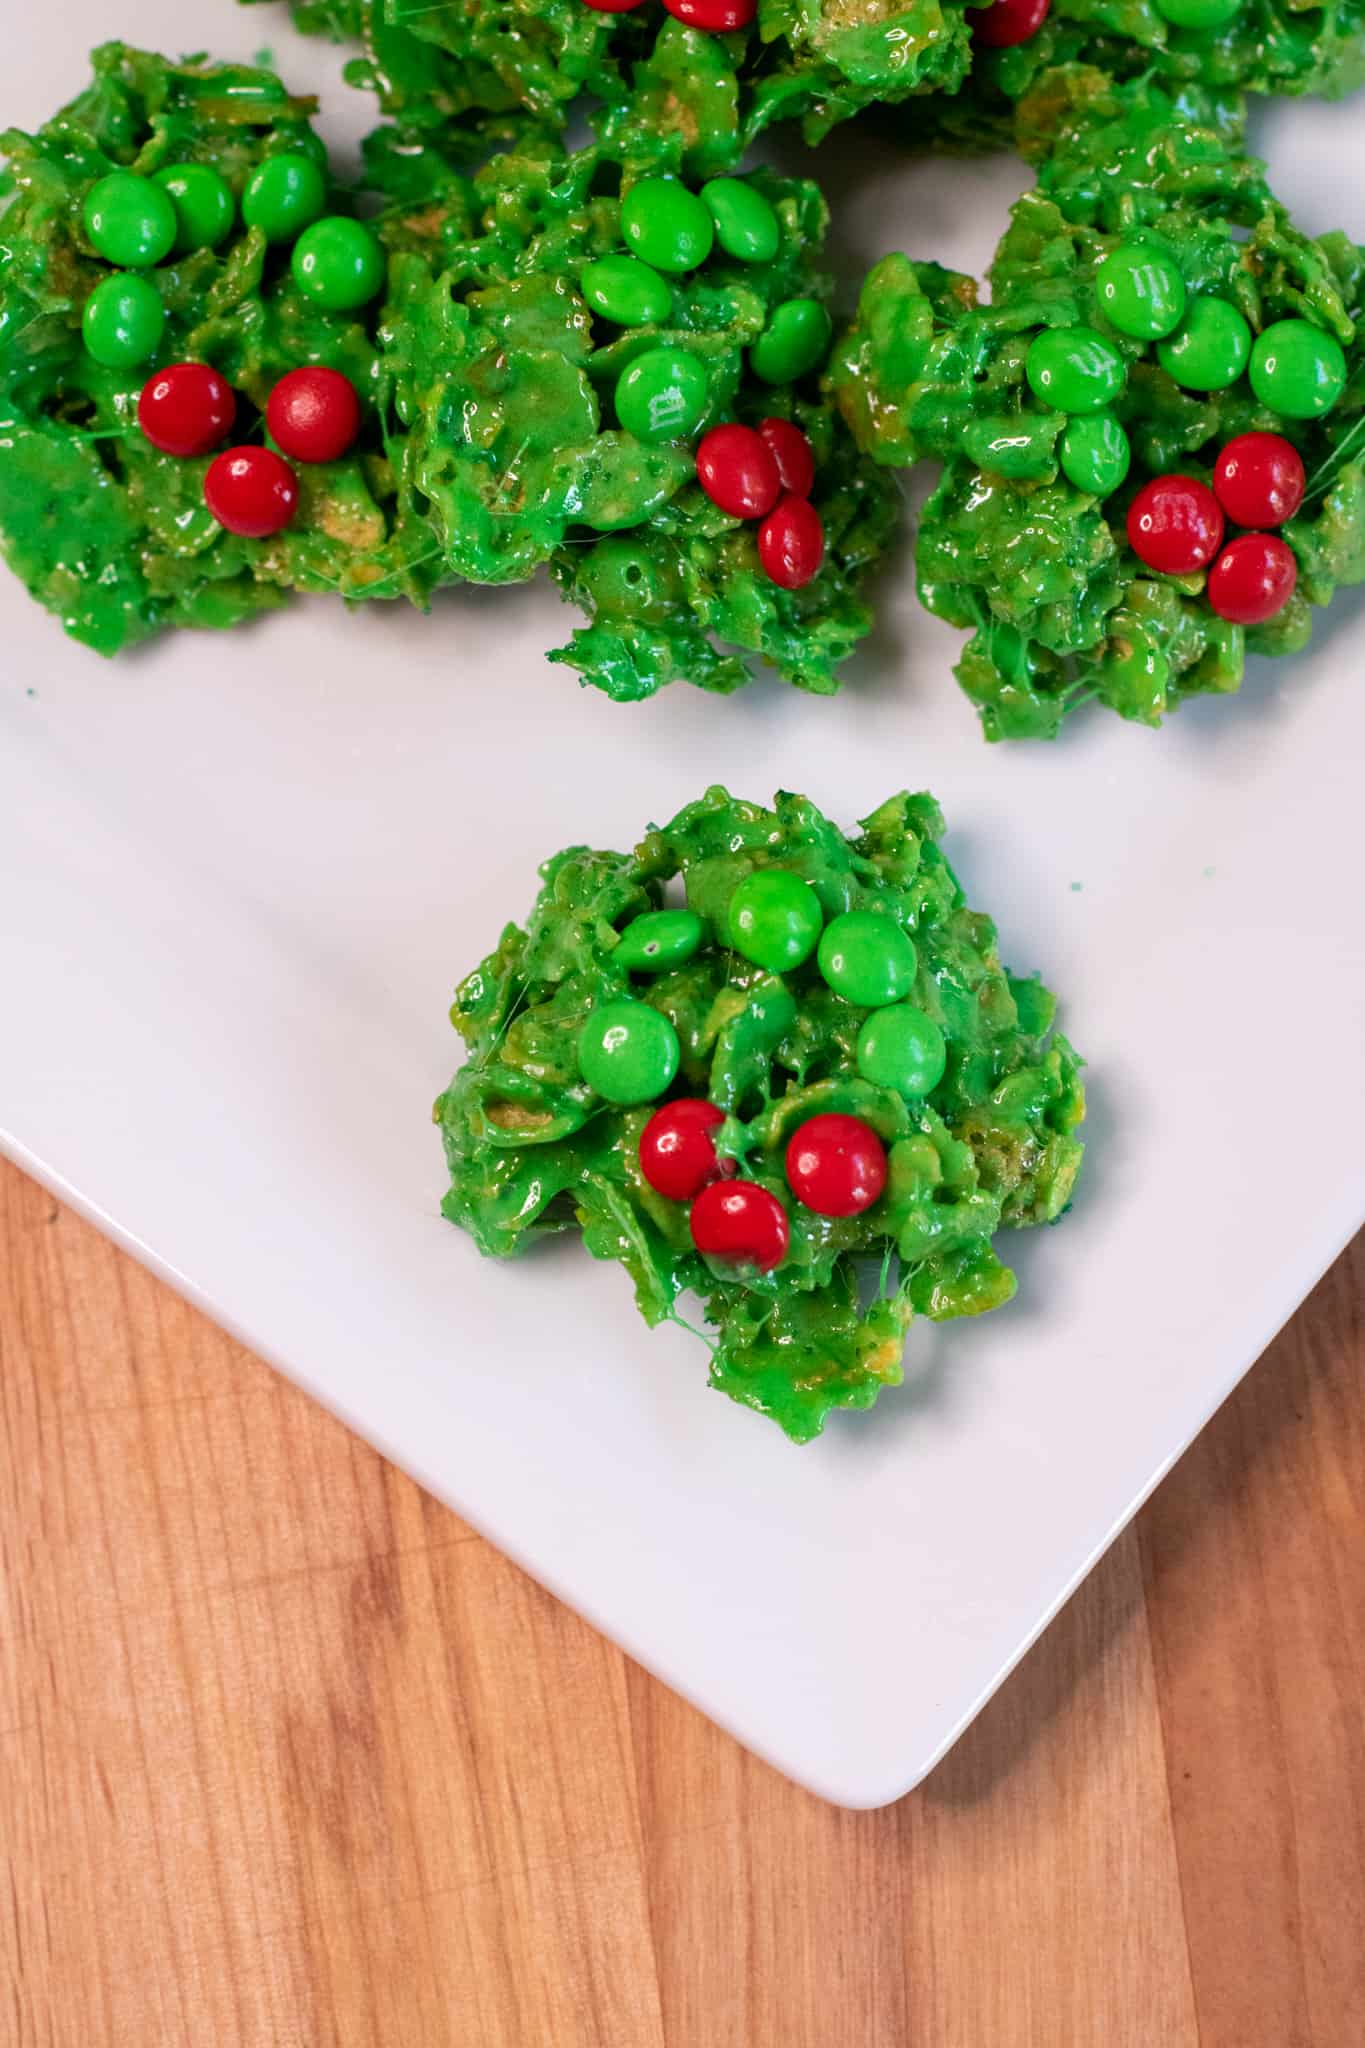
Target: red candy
point(186, 409)
point(1253, 578)
point(1175, 525)
point(678, 1148)
point(1007, 22)
point(791, 542)
point(736, 470)
point(251, 491)
point(737, 1219)
point(313, 414)
point(1259, 480)
point(836, 1165)
point(717, 15)
point(793, 454)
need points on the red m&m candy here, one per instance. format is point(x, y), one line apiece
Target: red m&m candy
point(1175, 525)
point(186, 409)
point(716, 15)
point(251, 491)
point(737, 471)
point(739, 1220)
point(1007, 22)
point(678, 1148)
point(836, 1165)
point(791, 542)
point(313, 414)
point(793, 454)
point(1259, 480)
point(1252, 579)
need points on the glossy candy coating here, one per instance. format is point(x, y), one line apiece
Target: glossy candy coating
point(795, 341)
point(746, 225)
point(775, 919)
point(1210, 348)
point(122, 321)
point(252, 492)
point(742, 1223)
point(1253, 579)
point(626, 291)
point(666, 225)
point(836, 1165)
point(1297, 369)
point(1075, 369)
point(1007, 22)
point(663, 395)
point(736, 469)
point(718, 17)
point(903, 1049)
point(313, 414)
point(1175, 525)
point(658, 940)
point(1094, 452)
point(284, 195)
point(678, 1148)
point(1259, 480)
point(1141, 290)
point(627, 1051)
point(205, 209)
point(339, 262)
point(791, 543)
point(186, 409)
point(130, 220)
point(867, 959)
point(793, 454)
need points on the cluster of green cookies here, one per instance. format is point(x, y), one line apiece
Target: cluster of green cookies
point(814, 986)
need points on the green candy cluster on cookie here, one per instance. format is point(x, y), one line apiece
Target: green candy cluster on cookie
point(104, 530)
point(1036, 564)
point(534, 1148)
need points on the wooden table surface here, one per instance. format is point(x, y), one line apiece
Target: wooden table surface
point(290, 1758)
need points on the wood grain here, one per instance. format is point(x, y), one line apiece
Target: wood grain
point(289, 1758)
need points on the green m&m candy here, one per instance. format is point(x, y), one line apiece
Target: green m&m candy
point(901, 1048)
point(123, 320)
point(284, 195)
point(867, 959)
point(1074, 369)
point(775, 919)
point(1199, 13)
point(339, 263)
point(130, 220)
point(1094, 453)
point(623, 289)
point(1209, 349)
point(659, 939)
point(204, 206)
point(795, 340)
point(746, 225)
point(1297, 369)
point(663, 395)
point(1141, 290)
point(667, 225)
point(628, 1052)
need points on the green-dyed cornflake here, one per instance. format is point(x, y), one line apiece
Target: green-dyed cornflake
point(1037, 569)
point(532, 1149)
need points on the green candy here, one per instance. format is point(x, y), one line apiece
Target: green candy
point(663, 395)
point(1141, 290)
point(1074, 369)
point(1297, 369)
point(775, 919)
point(795, 340)
point(902, 1049)
point(339, 263)
point(1094, 453)
point(666, 225)
point(204, 206)
point(130, 220)
point(659, 939)
point(628, 1052)
point(123, 322)
point(1199, 13)
point(747, 227)
point(1209, 350)
point(867, 959)
point(623, 289)
point(284, 195)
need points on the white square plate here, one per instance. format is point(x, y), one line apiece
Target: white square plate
point(239, 876)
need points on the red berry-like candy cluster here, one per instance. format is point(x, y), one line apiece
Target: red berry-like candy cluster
point(767, 473)
point(1176, 524)
point(836, 1166)
point(312, 414)
point(716, 16)
point(1007, 22)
